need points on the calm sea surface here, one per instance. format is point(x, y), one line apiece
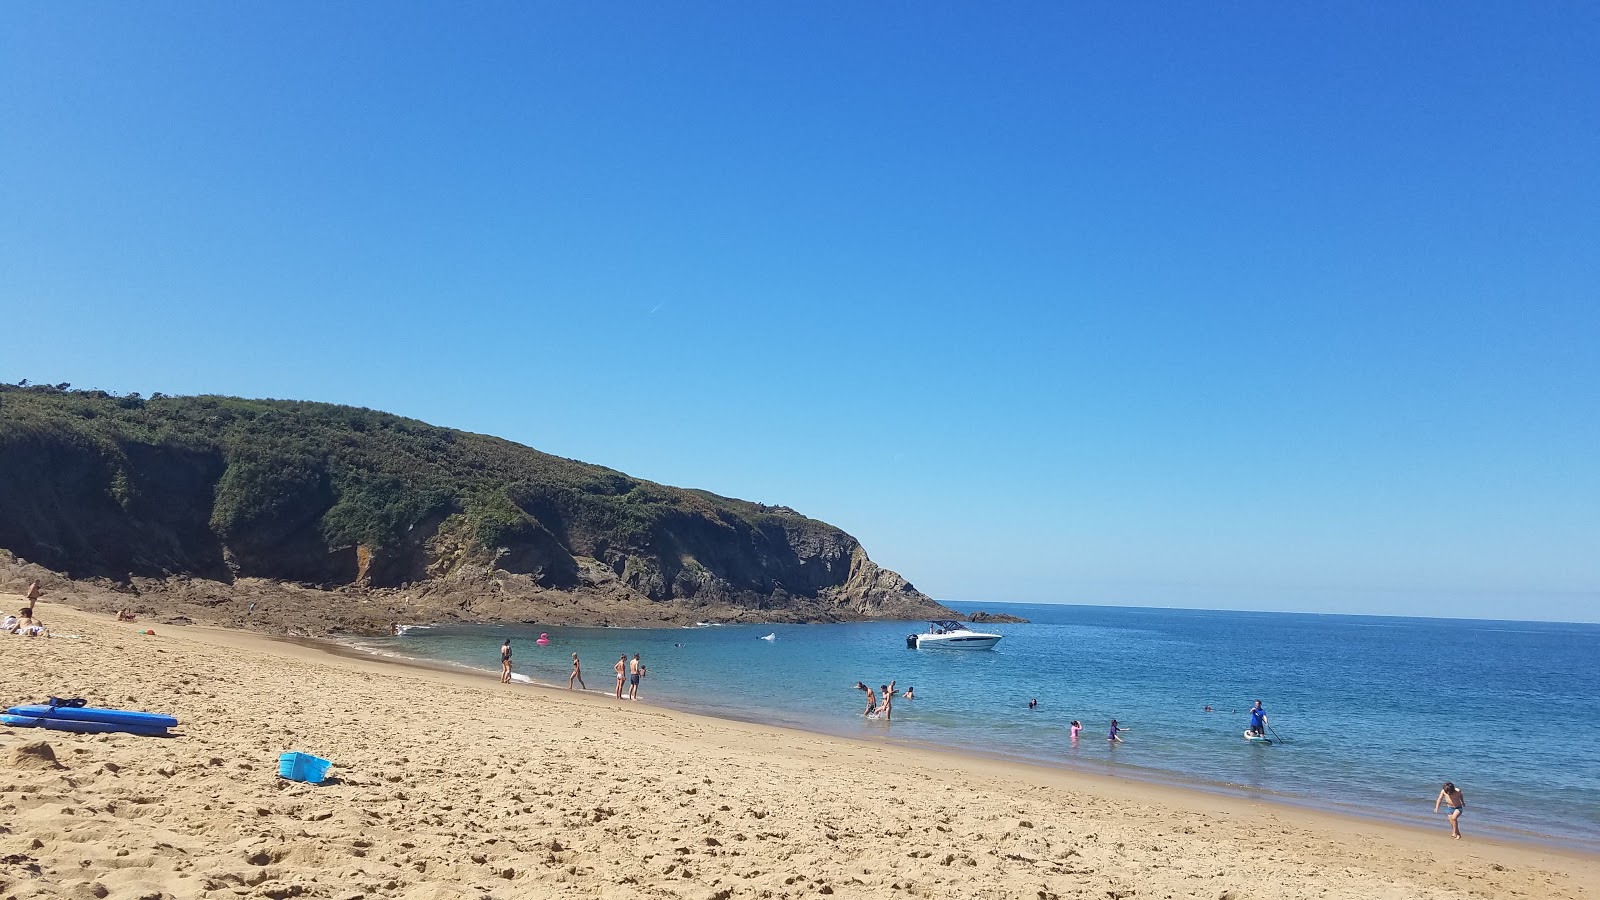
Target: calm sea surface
point(1373, 712)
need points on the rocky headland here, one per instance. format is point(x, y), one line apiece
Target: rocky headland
point(316, 518)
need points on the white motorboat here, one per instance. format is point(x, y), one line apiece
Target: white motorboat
point(946, 634)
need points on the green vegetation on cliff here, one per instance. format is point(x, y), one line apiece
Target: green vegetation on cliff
point(97, 484)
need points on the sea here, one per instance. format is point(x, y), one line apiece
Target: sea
point(1369, 714)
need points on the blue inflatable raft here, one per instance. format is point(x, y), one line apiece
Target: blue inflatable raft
point(88, 719)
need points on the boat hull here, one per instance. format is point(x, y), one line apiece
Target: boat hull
point(957, 641)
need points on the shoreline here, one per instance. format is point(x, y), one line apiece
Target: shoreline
point(450, 785)
point(1122, 773)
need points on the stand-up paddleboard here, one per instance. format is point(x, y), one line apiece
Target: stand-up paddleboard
point(1257, 738)
point(95, 714)
point(81, 726)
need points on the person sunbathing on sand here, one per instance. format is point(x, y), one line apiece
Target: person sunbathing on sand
point(28, 626)
point(124, 616)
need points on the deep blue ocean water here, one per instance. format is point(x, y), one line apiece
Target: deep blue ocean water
point(1374, 712)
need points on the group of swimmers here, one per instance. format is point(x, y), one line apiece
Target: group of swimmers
point(883, 708)
point(629, 672)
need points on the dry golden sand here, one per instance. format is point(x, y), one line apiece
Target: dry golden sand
point(453, 785)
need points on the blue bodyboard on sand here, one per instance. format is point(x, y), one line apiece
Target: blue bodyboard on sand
point(93, 714)
point(82, 726)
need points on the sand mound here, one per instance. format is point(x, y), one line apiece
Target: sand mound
point(34, 756)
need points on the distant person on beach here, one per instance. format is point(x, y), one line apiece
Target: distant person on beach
point(33, 593)
point(124, 616)
point(9, 626)
point(28, 626)
point(621, 668)
point(636, 671)
point(1115, 736)
point(577, 674)
point(1034, 703)
point(505, 662)
point(1456, 803)
point(1258, 720)
point(872, 699)
point(1075, 729)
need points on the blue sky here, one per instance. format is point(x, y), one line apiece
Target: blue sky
point(1254, 305)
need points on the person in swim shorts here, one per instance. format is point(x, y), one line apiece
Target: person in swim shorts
point(621, 668)
point(872, 699)
point(635, 672)
point(1258, 720)
point(1455, 803)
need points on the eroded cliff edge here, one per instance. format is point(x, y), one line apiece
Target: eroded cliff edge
point(357, 516)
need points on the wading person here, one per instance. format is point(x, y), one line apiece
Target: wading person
point(635, 672)
point(1455, 803)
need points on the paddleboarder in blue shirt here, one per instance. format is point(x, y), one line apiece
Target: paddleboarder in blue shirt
point(1258, 720)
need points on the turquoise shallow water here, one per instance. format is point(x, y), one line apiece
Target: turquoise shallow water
point(1375, 711)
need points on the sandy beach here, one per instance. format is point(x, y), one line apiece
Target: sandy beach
point(452, 785)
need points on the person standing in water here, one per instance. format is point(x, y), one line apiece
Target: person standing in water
point(635, 672)
point(872, 699)
point(1258, 720)
point(1075, 729)
point(621, 668)
point(1456, 803)
point(887, 706)
point(505, 662)
point(1114, 736)
point(577, 674)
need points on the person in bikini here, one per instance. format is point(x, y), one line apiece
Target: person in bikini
point(577, 675)
point(505, 662)
point(886, 707)
point(1456, 803)
point(621, 668)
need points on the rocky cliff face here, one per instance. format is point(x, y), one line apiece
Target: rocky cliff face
point(223, 489)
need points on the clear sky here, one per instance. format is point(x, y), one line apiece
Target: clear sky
point(1256, 305)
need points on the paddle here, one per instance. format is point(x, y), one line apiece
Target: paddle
point(1275, 734)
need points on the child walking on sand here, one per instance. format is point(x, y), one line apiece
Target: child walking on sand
point(1456, 803)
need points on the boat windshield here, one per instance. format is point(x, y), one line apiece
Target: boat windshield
point(941, 626)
